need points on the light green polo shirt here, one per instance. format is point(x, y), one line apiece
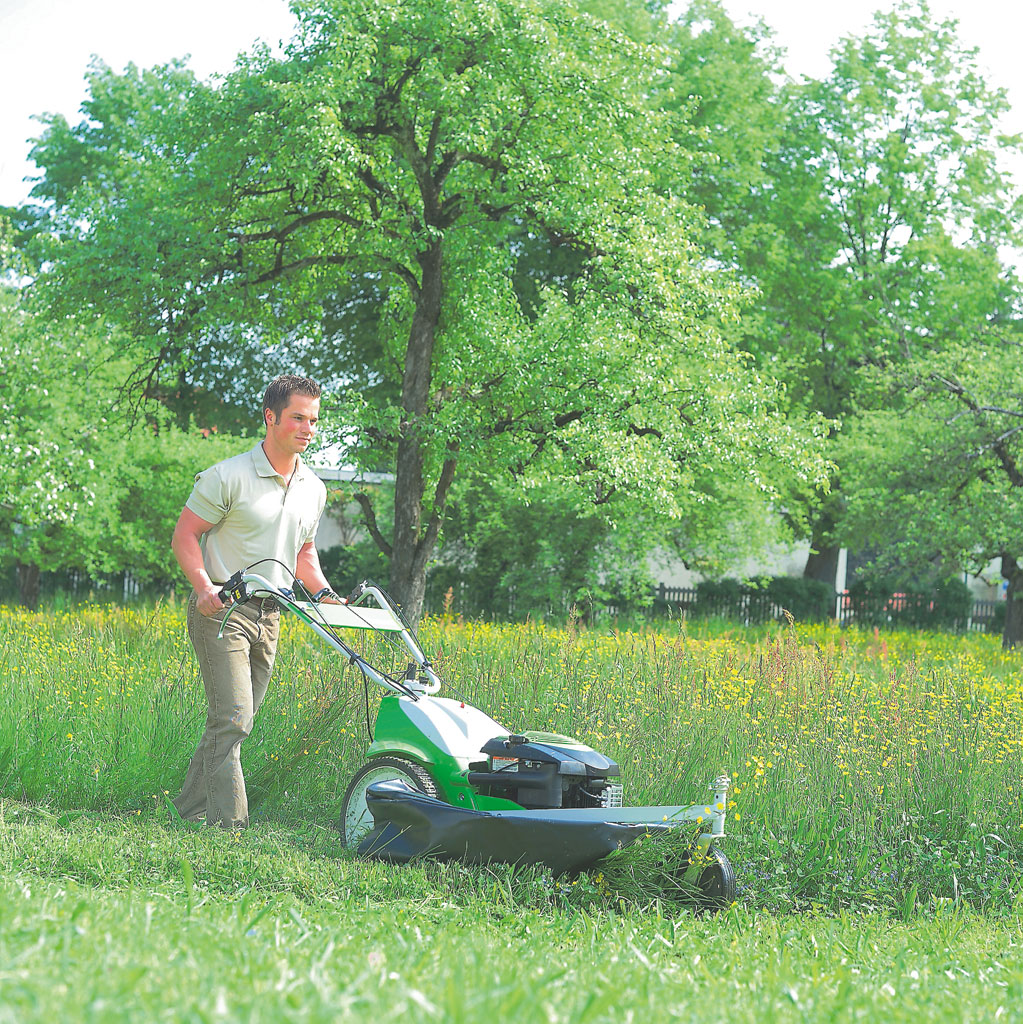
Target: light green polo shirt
point(255, 515)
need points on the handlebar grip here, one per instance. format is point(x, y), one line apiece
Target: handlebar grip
point(232, 589)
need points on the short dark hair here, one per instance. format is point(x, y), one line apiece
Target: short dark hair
point(279, 391)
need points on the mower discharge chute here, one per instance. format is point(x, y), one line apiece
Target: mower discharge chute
point(444, 779)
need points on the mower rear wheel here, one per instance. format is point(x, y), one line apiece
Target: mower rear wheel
point(356, 819)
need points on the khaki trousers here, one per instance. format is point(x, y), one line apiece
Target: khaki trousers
point(235, 672)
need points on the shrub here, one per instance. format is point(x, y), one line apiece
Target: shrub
point(889, 600)
point(870, 598)
point(806, 599)
point(763, 598)
point(719, 597)
point(347, 566)
point(953, 602)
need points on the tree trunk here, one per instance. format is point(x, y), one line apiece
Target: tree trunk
point(823, 563)
point(1012, 634)
point(412, 545)
point(28, 585)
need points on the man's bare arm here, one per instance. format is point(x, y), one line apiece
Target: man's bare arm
point(308, 570)
point(185, 545)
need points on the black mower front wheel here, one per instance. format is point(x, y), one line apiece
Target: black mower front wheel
point(356, 819)
point(715, 888)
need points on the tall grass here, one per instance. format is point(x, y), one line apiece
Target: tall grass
point(867, 770)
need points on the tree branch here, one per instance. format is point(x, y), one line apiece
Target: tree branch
point(491, 163)
point(635, 431)
point(369, 517)
point(378, 188)
point(300, 222)
point(426, 543)
point(431, 145)
point(565, 418)
point(1018, 413)
point(280, 268)
point(1006, 459)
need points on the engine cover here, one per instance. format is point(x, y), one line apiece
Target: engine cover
point(535, 772)
point(570, 760)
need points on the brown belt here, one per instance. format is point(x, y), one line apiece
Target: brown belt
point(263, 603)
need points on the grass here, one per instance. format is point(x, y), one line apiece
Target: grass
point(128, 918)
point(868, 770)
point(875, 829)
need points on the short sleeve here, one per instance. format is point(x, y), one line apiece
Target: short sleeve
point(321, 504)
point(209, 499)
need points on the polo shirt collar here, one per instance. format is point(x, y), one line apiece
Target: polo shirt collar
point(263, 467)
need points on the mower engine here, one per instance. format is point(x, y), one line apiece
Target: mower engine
point(548, 771)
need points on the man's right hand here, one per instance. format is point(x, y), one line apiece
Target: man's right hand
point(208, 601)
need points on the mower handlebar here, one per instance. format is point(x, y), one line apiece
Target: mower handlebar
point(233, 591)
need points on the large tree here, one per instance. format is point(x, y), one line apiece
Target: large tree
point(724, 79)
point(935, 462)
point(381, 181)
point(885, 191)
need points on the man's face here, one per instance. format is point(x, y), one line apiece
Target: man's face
point(296, 426)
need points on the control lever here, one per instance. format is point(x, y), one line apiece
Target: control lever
point(234, 590)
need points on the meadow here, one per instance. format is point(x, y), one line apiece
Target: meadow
point(875, 825)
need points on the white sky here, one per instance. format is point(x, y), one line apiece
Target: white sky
point(46, 45)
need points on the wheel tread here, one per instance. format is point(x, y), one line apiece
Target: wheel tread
point(405, 769)
point(716, 883)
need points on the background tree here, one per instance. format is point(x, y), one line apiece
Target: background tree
point(885, 196)
point(935, 464)
point(396, 156)
point(81, 489)
point(723, 82)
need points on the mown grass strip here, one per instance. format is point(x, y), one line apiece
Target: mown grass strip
point(114, 938)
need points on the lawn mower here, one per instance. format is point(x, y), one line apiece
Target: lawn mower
point(444, 779)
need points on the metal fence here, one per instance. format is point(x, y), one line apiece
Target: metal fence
point(77, 584)
point(752, 607)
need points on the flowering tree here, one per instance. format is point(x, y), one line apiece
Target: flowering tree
point(374, 189)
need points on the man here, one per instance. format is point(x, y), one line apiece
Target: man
point(262, 506)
